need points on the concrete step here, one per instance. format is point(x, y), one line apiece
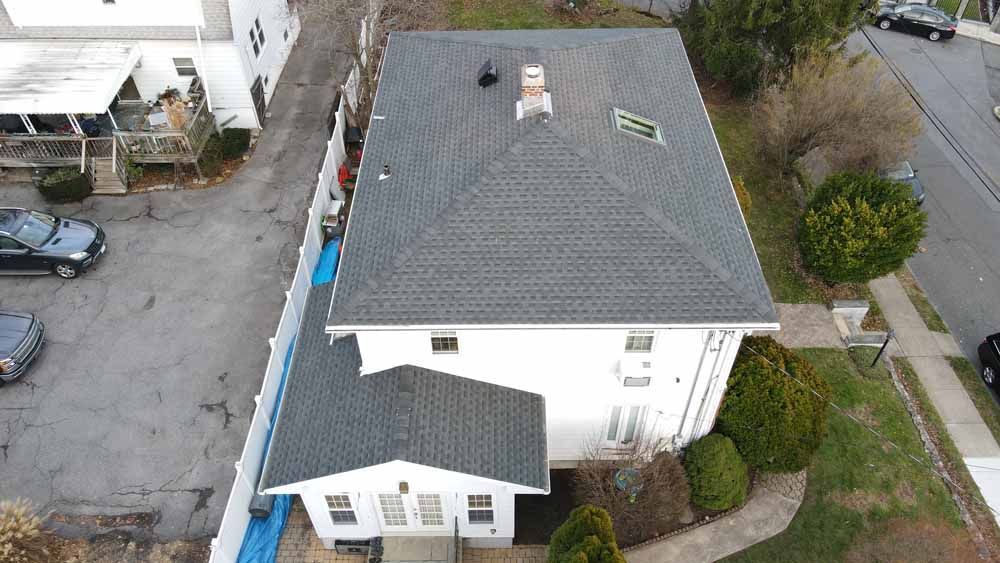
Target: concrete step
point(119, 190)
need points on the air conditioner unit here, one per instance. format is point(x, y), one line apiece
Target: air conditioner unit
point(635, 372)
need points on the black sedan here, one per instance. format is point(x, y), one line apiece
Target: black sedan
point(989, 356)
point(919, 20)
point(21, 339)
point(32, 242)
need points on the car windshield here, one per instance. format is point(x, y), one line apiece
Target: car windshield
point(901, 171)
point(37, 228)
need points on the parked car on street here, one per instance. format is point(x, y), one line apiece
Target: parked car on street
point(903, 172)
point(989, 356)
point(33, 242)
point(21, 339)
point(919, 20)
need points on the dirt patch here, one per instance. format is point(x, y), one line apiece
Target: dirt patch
point(860, 501)
point(901, 540)
point(864, 414)
point(122, 548)
point(904, 493)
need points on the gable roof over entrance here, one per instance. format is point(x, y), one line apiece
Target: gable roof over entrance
point(562, 219)
point(332, 420)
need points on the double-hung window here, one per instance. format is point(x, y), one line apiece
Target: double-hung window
point(341, 511)
point(639, 341)
point(444, 342)
point(257, 39)
point(480, 509)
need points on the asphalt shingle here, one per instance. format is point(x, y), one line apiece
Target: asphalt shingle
point(334, 420)
point(489, 220)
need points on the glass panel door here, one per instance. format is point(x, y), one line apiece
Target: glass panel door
point(393, 510)
point(430, 511)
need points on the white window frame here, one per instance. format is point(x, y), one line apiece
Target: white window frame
point(188, 69)
point(442, 335)
point(340, 503)
point(620, 417)
point(480, 503)
point(395, 515)
point(257, 39)
point(636, 125)
point(634, 336)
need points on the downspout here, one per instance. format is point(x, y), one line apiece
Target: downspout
point(203, 70)
point(694, 385)
point(713, 383)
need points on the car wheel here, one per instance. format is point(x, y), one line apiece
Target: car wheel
point(66, 271)
point(884, 24)
point(989, 375)
point(934, 35)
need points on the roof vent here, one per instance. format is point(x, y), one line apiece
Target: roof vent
point(487, 74)
point(534, 98)
point(385, 172)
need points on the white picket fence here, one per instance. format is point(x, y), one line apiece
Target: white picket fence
point(226, 545)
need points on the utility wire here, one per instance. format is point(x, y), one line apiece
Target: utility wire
point(875, 432)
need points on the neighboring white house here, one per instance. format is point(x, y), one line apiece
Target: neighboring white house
point(534, 265)
point(237, 48)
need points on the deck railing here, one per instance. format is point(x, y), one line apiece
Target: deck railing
point(168, 145)
point(40, 150)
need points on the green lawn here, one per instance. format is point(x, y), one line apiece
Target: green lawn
point(981, 395)
point(773, 211)
point(531, 14)
point(950, 7)
point(866, 501)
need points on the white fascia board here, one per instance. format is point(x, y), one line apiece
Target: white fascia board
point(376, 328)
point(323, 483)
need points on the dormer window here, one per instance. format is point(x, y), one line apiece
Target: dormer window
point(632, 123)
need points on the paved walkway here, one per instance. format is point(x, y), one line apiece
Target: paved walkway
point(920, 346)
point(806, 325)
point(770, 508)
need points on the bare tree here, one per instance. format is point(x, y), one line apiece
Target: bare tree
point(857, 115)
point(656, 488)
point(360, 28)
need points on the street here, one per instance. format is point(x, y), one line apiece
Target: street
point(957, 162)
point(133, 415)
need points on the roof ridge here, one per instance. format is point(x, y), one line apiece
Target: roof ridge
point(664, 222)
point(460, 201)
point(440, 37)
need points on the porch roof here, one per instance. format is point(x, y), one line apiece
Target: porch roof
point(333, 420)
point(63, 76)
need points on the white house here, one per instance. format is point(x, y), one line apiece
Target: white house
point(545, 253)
point(83, 79)
point(237, 47)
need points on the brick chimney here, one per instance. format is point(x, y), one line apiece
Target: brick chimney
point(534, 99)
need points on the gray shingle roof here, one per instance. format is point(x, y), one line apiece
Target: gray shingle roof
point(489, 220)
point(334, 420)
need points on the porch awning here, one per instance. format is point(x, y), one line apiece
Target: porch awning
point(63, 76)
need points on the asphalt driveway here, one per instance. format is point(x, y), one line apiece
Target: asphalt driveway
point(139, 405)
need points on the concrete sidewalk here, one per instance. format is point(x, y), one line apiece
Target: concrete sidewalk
point(920, 346)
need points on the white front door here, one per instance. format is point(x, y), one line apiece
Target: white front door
point(412, 512)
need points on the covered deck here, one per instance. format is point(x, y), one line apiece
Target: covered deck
point(64, 102)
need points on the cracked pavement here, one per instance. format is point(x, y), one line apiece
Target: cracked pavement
point(133, 415)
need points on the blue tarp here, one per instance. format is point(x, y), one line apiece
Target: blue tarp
point(260, 543)
point(326, 268)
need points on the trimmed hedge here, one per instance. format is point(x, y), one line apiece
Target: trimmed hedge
point(235, 142)
point(859, 227)
point(210, 160)
point(64, 185)
point(716, 472)
point(775, 423)
point(585, 537)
